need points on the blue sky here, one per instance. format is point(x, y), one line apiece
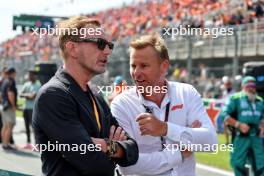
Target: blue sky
point(9, 8)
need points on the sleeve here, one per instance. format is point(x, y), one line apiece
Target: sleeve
point(56, 114)
point(24, 88)
point(129, 146)
point(229, 108)
point(205, 135)
point(10, 86)
point(37, 87)
point(148, 163)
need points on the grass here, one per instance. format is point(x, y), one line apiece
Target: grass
point(220, 160)
point(20, 103)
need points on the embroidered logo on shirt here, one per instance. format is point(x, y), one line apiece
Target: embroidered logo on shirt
point(175, 107)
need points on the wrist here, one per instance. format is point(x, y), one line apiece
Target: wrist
point(237, 124)
point(111, 147)
point(104, 146)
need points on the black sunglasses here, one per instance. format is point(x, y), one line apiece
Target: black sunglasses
point(101, 43)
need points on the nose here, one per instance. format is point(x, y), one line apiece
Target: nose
point(107, 50)
point(136, 72)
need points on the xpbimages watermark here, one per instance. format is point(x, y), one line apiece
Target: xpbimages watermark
point(82, 32)
point(82, 148)
point(213, 148)
point(215, 32)
point(147, 90)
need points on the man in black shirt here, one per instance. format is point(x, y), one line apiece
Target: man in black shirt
point(2, 78)
point(9, 101)
point(68, 113)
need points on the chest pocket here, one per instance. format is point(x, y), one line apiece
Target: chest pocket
point(248, 113)
point(178, 116)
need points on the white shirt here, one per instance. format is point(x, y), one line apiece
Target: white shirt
point(186, 106)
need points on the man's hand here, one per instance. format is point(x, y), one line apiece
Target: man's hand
point(150, 125)
point(100, 141)
point(196, 124)
point(186, 153)
point(244, 128)
point(117, 134)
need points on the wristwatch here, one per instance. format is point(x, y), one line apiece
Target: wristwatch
point(111, 147)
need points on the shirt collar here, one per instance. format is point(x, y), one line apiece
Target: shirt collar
point(164, 102)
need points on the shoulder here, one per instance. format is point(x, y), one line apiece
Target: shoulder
point(181, 88)
point(236, 96)
point(51, 90)
point(126, 96)
point(37, 83)
point(259, 98)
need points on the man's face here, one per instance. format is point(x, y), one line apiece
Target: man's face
point(13, 75)
point(90, 57)
point(250, 88)
point(146, 68)
point(228, 85)
point(32, 76)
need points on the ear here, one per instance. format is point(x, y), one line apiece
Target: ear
point(71, 49)
point(165, 66)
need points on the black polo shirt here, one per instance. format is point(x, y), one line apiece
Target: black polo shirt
point(8, 84)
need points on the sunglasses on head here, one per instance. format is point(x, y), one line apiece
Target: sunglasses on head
point(101, 43)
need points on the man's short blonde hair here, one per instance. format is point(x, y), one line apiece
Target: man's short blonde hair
point(71, 24)
point(153, 40)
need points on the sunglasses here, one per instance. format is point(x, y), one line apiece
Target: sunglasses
point(101, 43)
point(252, 86)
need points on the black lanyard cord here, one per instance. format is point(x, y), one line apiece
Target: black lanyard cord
point(149, 110)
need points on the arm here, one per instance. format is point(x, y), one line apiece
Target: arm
point(195, 111)
point(127, 149)
point(26, 94)
point(11, 97)
point(229, 109)
point(148, 163)
point(56, 113)
point(154, 163)
point(29, 96)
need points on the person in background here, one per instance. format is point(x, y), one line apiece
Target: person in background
point(245, 112)
point(119, 86)
point(227, 91)
point(2, 78)
point(29, 92)
point(9, 103)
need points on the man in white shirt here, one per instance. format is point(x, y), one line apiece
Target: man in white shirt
point(159, 114)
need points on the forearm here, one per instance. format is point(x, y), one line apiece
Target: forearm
point(119, 153)
point(231, 121)
point(11, 98)
point(130, 152)
point(154, 163)
point(203, 135)
point(30, 96)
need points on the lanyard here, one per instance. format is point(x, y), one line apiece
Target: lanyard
point(149, 110)
point(96, 113)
